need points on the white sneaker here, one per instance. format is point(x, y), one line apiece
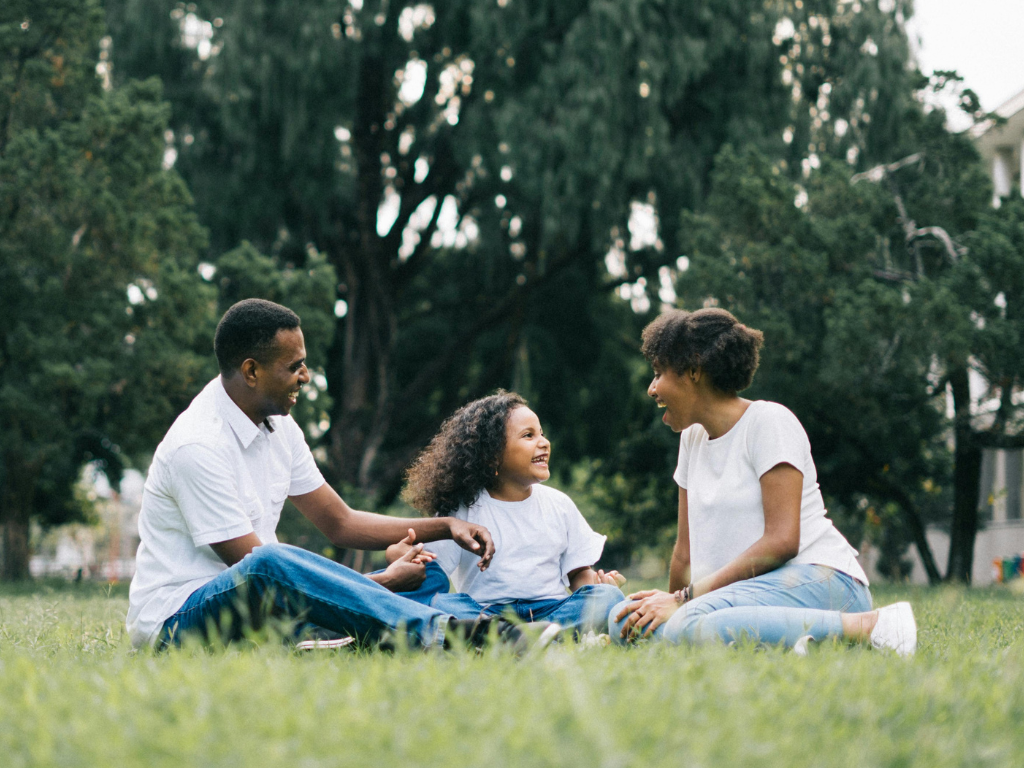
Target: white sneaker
point(324, 643)
point(594, 640)
point(802, 644)
point(896, 629)
point(544, 633)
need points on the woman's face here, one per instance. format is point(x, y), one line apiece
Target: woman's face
point(677, 394)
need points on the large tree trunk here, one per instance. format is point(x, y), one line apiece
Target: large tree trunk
point(966, 481)
point(912, 518)
point(15, 509)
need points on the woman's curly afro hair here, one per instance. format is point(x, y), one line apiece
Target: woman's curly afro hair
point(710, 339)
point(462, 459)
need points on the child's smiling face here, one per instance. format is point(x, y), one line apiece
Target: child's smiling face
point(525, 460)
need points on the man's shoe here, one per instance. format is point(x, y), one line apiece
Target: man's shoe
point(476, 633)
point(895, 629)
point(545, 632)
point(320, 639)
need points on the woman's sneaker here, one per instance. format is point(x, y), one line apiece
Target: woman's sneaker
point(802, 645)
point(895, 629)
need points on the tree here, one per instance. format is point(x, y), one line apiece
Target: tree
point(515, 145)
point(105, 325)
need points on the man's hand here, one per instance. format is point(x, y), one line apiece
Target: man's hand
point(407, 572)
point(474, 538)
point(650, 609)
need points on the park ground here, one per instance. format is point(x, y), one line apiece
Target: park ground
point(72, 693)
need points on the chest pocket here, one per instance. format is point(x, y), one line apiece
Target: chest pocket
point(278, 494)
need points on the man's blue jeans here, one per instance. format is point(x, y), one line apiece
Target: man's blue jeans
point(288, 583)
point(775, 608)
point(584, 610)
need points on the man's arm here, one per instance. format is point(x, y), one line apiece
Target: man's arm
point(405, 573)
point(347, 527)
point(233, 550)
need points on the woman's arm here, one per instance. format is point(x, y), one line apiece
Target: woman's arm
point(679, 568)
point(781, 492)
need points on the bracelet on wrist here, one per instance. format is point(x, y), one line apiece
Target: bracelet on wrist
point(683, 595)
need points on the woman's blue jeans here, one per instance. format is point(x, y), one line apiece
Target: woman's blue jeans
point(291, 584)
point(776, 608)
point(584, 610)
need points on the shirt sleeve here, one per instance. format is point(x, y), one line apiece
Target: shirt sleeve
point(206, 492)
point(778, 437)
point(448, 554)
point(683, 462)
point(584, 546)
point(306, 476)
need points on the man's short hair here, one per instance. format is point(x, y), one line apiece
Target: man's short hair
point(248, 329)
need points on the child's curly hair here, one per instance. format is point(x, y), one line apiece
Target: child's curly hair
point(462, 459)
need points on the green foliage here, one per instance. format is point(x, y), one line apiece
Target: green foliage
point(104, 325)
point(72, 694)
point(293, 124)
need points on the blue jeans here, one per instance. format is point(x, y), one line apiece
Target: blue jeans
point(584, 610)
point(775, 608)
point(288, 583)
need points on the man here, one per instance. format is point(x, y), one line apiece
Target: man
point(208, 555)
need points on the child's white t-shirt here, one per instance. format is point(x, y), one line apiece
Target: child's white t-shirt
point(537, 542)
point(722, 478)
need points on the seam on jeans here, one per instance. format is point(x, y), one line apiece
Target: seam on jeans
point(783, 588)
point(187, 611)
point(275, 580)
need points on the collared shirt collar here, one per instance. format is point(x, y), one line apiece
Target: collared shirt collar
point(242, 425)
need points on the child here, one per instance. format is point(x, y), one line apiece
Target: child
point(486, 465)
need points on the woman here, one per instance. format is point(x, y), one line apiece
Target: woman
point(755, 554)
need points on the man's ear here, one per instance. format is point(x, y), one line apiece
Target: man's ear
point(248, 369)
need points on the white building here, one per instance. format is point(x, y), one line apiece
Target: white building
point(1001, 517)
point(1001, 522)
point(1000, 146)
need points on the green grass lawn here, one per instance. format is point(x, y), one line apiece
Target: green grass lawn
point(72, 693)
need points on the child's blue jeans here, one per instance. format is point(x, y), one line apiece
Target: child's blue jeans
point(292, 584)
point(775, 608)
point(584, 610)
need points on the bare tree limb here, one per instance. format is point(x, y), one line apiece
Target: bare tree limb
point(879, 172)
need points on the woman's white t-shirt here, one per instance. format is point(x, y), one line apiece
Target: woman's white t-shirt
point(538, 543)
point(722, 478)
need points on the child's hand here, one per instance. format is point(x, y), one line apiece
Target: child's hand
point(406, 573)
point(397, 551)
point(614, 578)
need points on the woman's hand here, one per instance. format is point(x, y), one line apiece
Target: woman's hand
point(648, 611)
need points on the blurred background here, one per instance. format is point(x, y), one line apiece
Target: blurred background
point(471, 194)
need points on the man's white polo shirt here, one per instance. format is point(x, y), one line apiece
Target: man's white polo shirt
point(215, 476)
